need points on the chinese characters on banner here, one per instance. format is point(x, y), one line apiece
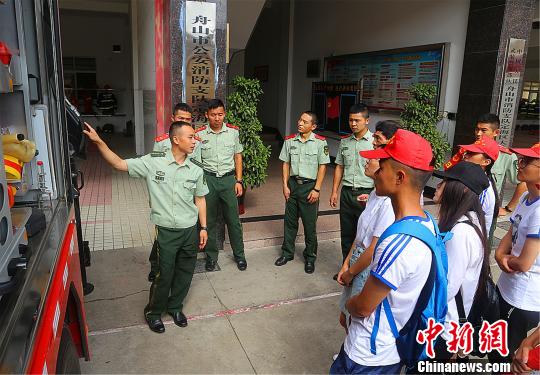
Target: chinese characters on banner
point(200, 62)
point(510, 94)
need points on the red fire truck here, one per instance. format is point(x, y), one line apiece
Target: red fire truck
point(42, 254)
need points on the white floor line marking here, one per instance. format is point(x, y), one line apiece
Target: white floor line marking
point(222, 313)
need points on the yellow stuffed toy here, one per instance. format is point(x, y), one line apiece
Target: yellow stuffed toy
point(17, 151)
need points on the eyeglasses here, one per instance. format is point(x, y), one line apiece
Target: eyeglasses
point(523, 162)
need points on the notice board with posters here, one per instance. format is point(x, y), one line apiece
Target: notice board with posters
point(386, 76)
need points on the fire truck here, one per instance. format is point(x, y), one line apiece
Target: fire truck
point(42, 253)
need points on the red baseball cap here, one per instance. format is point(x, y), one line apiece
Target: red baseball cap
point(484, 145)
point(406, 147)
point(533, 152)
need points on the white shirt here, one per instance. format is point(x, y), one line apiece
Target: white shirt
point(465, 255)
point(487, 200)
point(376, 217)
point(403, 263)
point(522, 289)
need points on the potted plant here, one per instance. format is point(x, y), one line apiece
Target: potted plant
point(420, 115)
point(242, 112)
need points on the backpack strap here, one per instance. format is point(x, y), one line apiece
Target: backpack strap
point(459, 298)
point(375, 331)
point(413, 229)
point(390, 317)
point(422, 233)
point(391, 321)
point(421, 303)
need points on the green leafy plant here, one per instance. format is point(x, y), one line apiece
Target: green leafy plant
point(420, 115)
point(242, 112)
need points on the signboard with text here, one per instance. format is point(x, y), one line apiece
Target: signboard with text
point(510, 93)
point(388, 75)
point(200, 61)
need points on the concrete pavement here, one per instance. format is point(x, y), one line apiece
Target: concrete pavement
point(267, 319)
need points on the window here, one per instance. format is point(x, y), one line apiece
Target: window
point(528, 104)
point(80, 79)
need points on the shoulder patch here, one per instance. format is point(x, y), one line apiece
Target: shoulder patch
point(291, 136)
point(320, 137)
point(233, 126)
point(161, 137)
point(196, 162)
point(157, 154)
point(505, 150)
point(200, 129)
point(345, 136)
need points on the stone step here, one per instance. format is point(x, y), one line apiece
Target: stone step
point(270, 233)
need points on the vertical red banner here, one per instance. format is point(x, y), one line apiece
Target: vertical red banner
point(162, 58)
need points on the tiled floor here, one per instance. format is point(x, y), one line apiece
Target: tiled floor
point(115, 211)
point(114, 207)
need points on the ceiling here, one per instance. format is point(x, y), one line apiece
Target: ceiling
point(242, 15)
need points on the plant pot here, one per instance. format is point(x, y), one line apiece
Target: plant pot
point(241, 207)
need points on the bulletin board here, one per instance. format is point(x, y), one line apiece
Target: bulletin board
point(386, 76)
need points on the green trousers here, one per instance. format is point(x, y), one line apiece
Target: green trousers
point(298, 207)
point(176, 258)
point(154, 266)
point(222, 193)
point(349, 212)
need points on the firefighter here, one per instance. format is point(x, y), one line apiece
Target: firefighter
point(181, 112)
point(221, 157)
point(350, 171)
point(176, 187)
point(304, 157)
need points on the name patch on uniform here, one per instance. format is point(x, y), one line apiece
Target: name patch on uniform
point(157, 154)
point(326, 150)
point(345, 148)
point(159, 178)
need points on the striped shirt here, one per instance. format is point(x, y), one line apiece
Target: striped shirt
point(402, 263)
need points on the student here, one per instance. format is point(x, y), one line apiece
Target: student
point(517, 255)
point(503, 168)
point(527, 355)
point(384, 130)
point(485, 152)
point(377, 216)
point(461, 213)
point(401, 263)
point(487, 125)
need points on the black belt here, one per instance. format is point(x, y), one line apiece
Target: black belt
point(302, 180)
point(230, 173)
point(356, 189)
